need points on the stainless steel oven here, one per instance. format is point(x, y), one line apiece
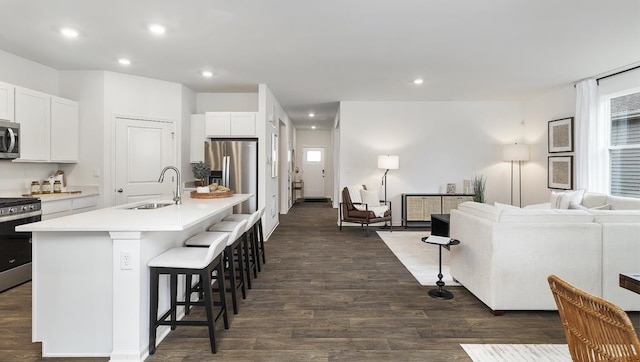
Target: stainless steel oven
point(15, 247)
point(9, 140)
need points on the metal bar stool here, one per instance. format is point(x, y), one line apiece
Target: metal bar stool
point(188, 261)
point(256, 231)
point(233, 244)
point(249, 254)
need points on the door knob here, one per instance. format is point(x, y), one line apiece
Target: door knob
point(120, 190)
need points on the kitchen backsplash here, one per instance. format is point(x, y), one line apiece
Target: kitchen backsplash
point(15, 178)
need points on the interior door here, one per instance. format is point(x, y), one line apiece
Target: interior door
point(313, 172)
point(143, 148)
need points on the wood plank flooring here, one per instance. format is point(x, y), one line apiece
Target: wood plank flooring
point(324, 295)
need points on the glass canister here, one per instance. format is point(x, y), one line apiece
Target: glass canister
point(57, 186)
point(35, 187)
point(46, 187)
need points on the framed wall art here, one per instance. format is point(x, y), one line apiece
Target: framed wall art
point(560, 171)
point(561, 135)
point(451, 188)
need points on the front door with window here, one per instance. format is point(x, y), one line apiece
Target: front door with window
point(313, 172)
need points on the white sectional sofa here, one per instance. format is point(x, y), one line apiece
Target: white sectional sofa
point(506, 253)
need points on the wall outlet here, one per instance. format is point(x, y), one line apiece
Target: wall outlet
point(126, 260)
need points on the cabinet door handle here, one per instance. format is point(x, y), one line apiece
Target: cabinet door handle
point(120, 190)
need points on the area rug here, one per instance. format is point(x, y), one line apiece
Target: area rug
point(517, 352)
point(421, 259)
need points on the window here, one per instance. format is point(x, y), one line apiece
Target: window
point(314, 156)
point(624, 150)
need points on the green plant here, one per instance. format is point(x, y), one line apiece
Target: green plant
point(478, 184)
point(201, 171)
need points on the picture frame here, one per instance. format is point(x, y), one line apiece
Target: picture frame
point(451, 188)
point(561, 135)
point(560, 172)
point(274, 156)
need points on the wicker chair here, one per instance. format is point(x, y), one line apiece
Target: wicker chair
point(349, 213)
point(596, 329)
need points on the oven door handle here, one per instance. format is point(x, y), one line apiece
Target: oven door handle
point(20, 216)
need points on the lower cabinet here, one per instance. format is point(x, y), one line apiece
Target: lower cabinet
point(52, 209)
point(417, 208)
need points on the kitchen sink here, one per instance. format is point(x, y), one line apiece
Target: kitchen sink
point(150, 206)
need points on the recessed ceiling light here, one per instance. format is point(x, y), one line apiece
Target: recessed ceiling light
point(418, 81)
point(311, 114)
point(69, 32)
point(124, 61)
point(313, 127)
point(207, 74)
point(157, 29)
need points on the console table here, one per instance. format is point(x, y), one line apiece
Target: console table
point(630, 282)
point(417, 208)
point(295, 186)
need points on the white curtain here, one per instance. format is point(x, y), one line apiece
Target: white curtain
point(591, 152)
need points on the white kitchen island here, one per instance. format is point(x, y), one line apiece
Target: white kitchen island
point(91, 280)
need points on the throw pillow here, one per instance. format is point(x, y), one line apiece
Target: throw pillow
point(575, 206)
point(370, 197)
point(561, 199)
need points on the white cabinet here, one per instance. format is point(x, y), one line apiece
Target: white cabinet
point(53, 208)
point(33, 112)
point(7, 92)
point(65, 130)
point(230, 124)
point(197, 137)
point(49, 127)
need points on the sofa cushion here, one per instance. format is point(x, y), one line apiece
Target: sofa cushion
point(592, 199)
point(481, 210)
point(561, 199)
point(576, 206)
point(623, 203)
point(616, 216)
point(553, 216)
point(505, 206)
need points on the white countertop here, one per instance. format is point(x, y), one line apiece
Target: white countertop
point(118, 218)
point(63, 196)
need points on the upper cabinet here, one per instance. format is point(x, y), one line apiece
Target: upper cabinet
point(49, 127)
point(65, 130)
point(7, 101)
point(230, 124)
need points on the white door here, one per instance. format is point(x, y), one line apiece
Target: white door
point(313, 171)
point(143, 148)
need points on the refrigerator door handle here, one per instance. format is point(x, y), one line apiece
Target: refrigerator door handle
point(225, 171)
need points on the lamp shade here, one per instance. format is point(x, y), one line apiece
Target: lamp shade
point(516, 152)
point(388, 162)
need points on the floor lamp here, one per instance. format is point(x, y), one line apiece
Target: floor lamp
point(518, 153)
point(387, 163)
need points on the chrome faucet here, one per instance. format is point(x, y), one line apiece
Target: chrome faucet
point(177, 194)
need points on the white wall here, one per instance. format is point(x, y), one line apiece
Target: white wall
point(438, 143)
point(189, 106)
point(26, 73)
point(227, 102)
point(554, 104)
point(317, 138)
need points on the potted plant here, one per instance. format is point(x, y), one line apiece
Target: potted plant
point(478, 184)
point(201, 171)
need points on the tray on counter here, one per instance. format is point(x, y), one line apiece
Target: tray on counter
point(210, 195)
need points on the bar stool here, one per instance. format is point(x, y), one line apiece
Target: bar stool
point(256, 230)
point(249, 255)
point(233, 243)
point(188, 261)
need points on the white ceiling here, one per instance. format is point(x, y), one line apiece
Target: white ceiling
point(314, 53)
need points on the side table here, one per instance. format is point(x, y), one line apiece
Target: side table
point(446, 242)
point(295, 186)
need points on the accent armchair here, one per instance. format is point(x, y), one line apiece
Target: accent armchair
point(362, 215)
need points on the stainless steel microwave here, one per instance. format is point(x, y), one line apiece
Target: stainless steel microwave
point(9, 140)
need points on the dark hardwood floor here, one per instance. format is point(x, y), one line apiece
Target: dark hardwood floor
point(324, 295)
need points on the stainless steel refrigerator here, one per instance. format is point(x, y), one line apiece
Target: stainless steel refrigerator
point(234, 164)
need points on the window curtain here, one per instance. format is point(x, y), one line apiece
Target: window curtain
point(591, 152)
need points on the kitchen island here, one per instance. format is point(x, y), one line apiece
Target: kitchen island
point(91, 280)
